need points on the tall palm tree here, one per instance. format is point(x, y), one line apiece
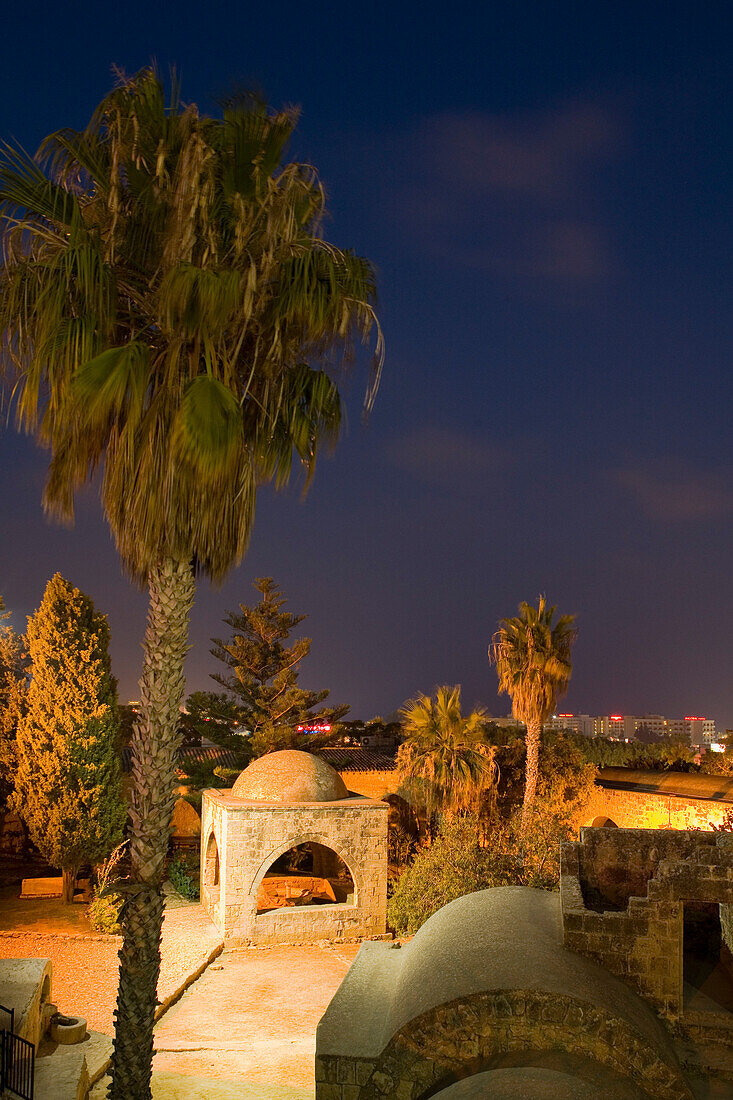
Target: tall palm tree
point(445, 754)
point(532, 655)
point(166, 289)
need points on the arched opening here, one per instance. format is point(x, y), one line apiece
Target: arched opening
point(211, 863)
point(603, 822)
point(307, 874)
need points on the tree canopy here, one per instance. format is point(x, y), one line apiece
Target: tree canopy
point(263, 672)
point(68, 783)
point(445, 755)
point(532, 654)
point(165, 290)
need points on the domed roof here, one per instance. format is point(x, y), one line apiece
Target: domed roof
point(290, 776)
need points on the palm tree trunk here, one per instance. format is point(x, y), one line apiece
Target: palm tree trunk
point(531, 771)
point(155, 742)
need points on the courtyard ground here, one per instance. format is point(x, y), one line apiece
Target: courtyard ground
point(251, 1017)
point(85, 966)
point(245, 1030)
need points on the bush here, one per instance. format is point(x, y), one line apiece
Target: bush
point(194, 798)
point(472, 854)
point(105, 907)
point(227, 775)
point(454, 865)
point(198, 774)
point(104, 913)
point(183, 874)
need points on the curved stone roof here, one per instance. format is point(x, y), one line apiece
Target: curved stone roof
point(289, 776)
point(505, 938)
point(713, 788)
point(521, 1082)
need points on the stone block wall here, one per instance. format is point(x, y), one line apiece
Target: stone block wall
point(455, 1040)
point(642, 941)
point(250, 836)
point(376, 784)
point(652, 810)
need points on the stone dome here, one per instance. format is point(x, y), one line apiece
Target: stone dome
point(289, 776)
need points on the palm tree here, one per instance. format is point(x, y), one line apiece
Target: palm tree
point(445, 755)
point(533, 662)
point(166, 290)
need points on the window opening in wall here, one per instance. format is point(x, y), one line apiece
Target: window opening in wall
point(707, 960)
point(308, 874)
point(211, 864)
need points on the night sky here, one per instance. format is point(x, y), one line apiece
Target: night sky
point(545, 191)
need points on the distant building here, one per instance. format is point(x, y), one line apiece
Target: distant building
point(579, 723)
point(696, 731)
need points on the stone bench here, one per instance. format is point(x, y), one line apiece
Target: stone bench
point(52, 888)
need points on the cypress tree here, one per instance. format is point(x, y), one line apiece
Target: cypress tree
point(68, 786)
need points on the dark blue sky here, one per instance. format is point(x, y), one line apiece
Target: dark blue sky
point(545, 190)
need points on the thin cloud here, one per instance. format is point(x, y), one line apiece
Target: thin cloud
point(542, 155)
point(676, 495)
point(511, 196)
point(449, 458)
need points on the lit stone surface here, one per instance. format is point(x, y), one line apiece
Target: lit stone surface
point(281, 801)
point(487, 980)
point(290, 776)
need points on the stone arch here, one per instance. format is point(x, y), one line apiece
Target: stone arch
point(306, 838)
point(480, 1032)
point(211, 870)
point(603, 822)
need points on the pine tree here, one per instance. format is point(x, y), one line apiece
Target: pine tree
point(68, 785)
point(263, 676)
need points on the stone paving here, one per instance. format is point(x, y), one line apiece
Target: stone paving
point(247, 1028)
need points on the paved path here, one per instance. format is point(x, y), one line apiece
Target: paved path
point(247, 1028)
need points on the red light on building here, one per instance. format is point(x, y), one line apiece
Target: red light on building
point(692, 718)
point(314, 729)
point(616, 717)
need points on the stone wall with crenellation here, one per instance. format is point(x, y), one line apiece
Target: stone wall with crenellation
point(623, 893)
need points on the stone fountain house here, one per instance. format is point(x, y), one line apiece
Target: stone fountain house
point(289, 855)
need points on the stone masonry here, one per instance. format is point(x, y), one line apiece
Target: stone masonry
point(623, 894)
point(241, 839)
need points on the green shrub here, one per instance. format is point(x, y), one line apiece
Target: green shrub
point(104, 913)
point(183, 874)
point(454, 864)
point(472, 854)
point(197, 773)
point(105, 907)
point(194, 799)
point(227, 775)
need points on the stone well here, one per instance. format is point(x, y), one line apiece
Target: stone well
point(283, 800)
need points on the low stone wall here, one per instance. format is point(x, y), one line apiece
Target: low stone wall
point(25, 986)
point(640, 809)
point(376, 784)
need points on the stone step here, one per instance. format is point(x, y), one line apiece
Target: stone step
point(66, 1072)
